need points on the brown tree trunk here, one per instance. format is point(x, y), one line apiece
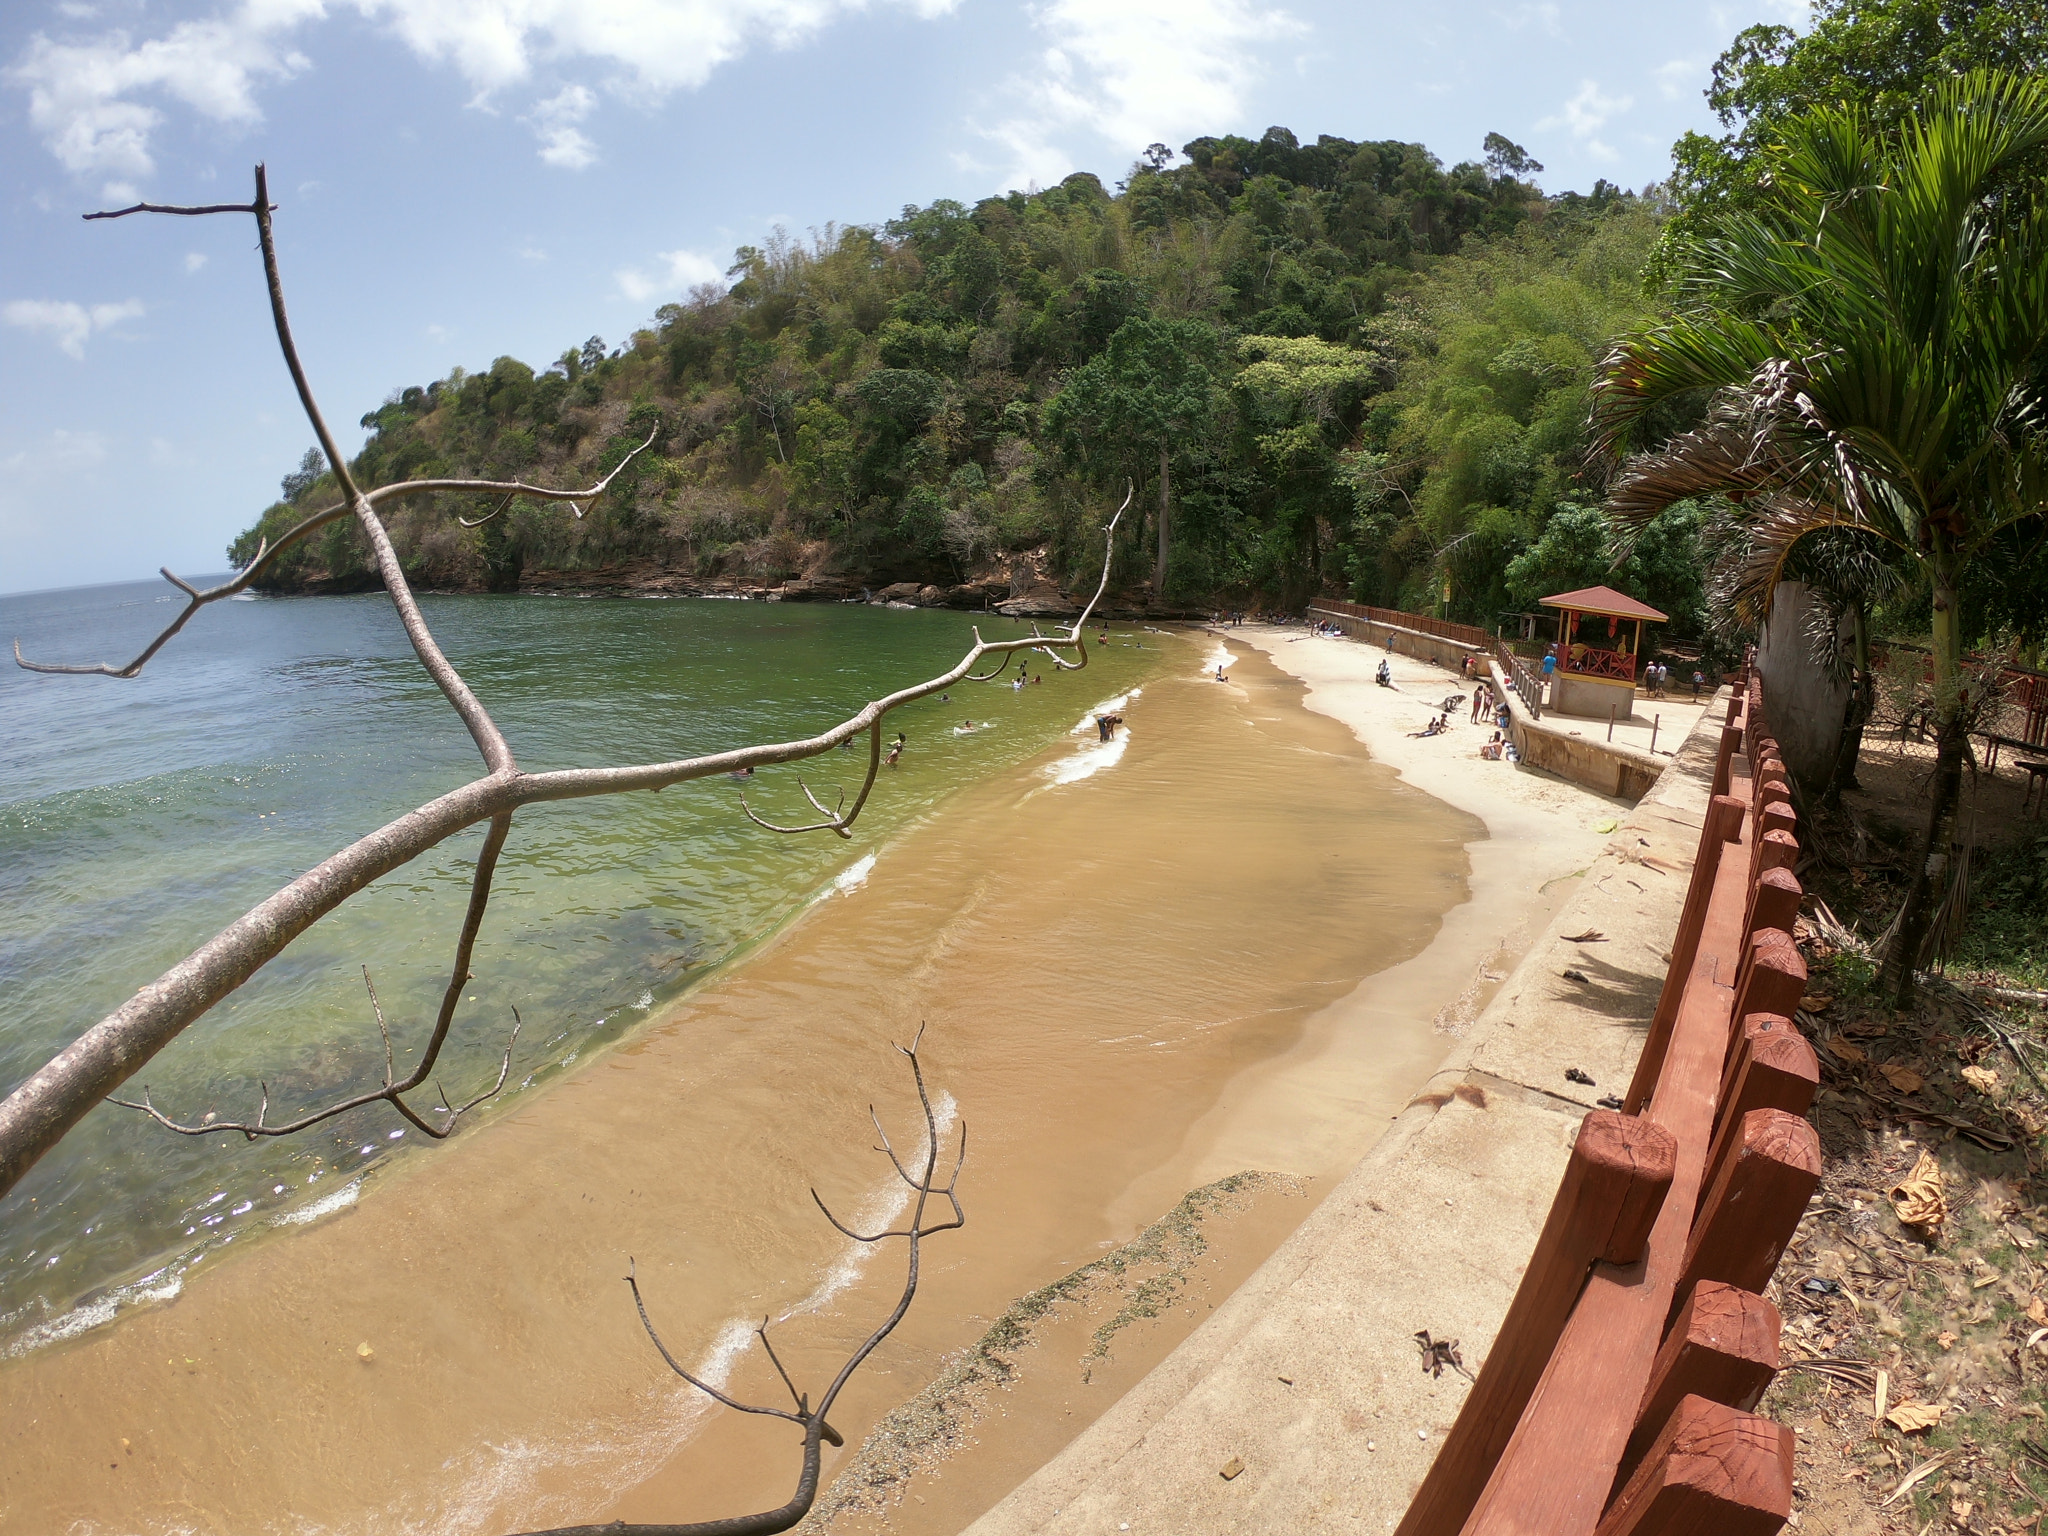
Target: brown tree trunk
point(1165, 490)
point(1918, 913)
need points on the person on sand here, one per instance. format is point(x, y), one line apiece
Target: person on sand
point(1482, 696)
point(1220, 677)
point(1491, 751)
point(1385, 676)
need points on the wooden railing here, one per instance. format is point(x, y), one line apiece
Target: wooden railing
point(1616, 1399)
point(1592, 663)
point(1421, 623)
point(1528, 681)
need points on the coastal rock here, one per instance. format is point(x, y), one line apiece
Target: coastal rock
point(897, 592)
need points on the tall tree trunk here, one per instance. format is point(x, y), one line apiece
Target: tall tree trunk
point(1918, 913)
point(1855, 708)
point(1165, 490)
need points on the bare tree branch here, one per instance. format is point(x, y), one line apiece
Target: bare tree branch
point(37, 1114)
point(122, 213)
point(267, 553)
point(812, 1420)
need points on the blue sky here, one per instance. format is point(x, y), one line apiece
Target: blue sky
point(460, 179)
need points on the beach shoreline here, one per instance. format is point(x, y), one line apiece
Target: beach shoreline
point(1310, 1112)
point(1094, 976)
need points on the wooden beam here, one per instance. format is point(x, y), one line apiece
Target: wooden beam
point(1612, 1191)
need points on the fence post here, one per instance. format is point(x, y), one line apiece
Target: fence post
point(1611, 1194)
point(1723, 1346)
point(1749, 1212)
point(1773, 1068)
point(1710, 1469)
point(1774, 979)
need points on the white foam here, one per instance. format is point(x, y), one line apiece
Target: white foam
point(522, 1480)
point(886, 1202)
point(326, 1205)
point(854, 876)
point(1099, 754)
point(163, 1285)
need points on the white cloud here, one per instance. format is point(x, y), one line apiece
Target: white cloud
point(554, 123)
point(680, 272)
point(1586, 113)
point(80, 94)
point(62, 451)
point(1676, 79)
point(194, 260)
point(67, 323)
point(1544, 15)
point(92, 100)
point(1132, 72)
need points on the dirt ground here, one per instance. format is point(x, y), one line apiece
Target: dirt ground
point(1914, 1296)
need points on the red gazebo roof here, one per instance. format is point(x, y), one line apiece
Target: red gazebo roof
point(1605, 601)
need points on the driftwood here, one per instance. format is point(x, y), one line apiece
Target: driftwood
point(37, 1115)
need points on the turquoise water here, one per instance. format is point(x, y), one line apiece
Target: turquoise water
point(139, 817)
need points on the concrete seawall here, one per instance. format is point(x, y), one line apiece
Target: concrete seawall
point(1608, 768)
point(1309, 1377)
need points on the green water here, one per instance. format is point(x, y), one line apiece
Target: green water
point(138, 818)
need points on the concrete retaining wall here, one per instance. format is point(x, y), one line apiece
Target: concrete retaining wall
point(1602, 766)
point(1402, 642)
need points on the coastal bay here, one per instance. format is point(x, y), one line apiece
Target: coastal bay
point(1099, 943)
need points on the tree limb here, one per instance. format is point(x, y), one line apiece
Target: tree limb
point(37, 1114)
point(812, 1420)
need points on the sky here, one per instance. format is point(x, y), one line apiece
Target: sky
point(458, 180)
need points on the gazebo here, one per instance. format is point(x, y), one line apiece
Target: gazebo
point(1596, 676)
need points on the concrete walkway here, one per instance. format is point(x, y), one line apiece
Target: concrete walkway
point(1309, 1376)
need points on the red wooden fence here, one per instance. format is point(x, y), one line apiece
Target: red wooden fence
point(1617, 1398)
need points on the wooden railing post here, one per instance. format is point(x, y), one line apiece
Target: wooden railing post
point(1749, 1212)
point(1612, 1192)
point(1773, 1068)
point(1711, 1471)
point(1774, 978)
point(1722, 1346)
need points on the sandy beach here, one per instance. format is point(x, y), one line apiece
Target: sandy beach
point(1312, 1110)
point(1241, 944)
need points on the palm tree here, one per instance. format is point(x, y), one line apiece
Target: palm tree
point(1872, 336)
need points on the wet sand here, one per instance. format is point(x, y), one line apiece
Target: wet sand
point(1314, 1108)
point(1103, 963)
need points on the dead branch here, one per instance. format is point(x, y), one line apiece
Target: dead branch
point(811, 1420)
point(43, 1109)
point(267, 553)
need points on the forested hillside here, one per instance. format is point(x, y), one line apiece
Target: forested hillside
point(1348, 368)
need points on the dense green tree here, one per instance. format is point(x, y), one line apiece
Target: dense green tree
point(1147, 393)
point(1875, 333)
point(1881, 55)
